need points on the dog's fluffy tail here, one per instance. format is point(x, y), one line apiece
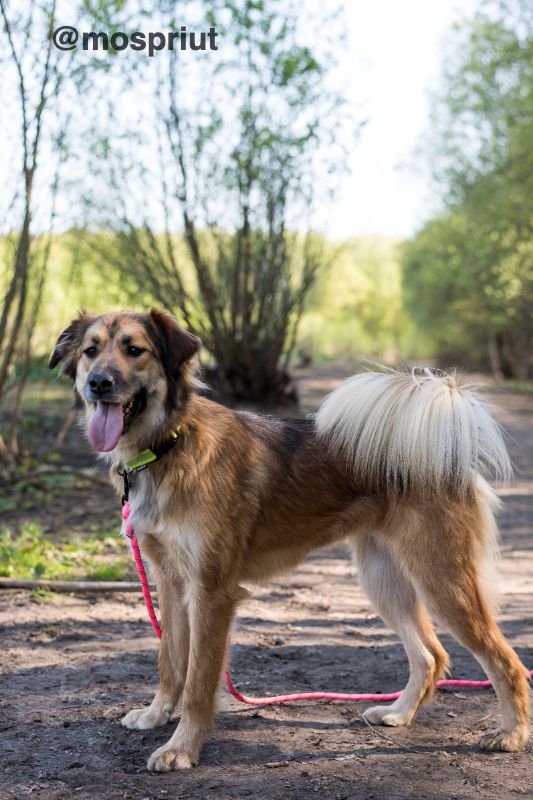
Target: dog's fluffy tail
point(420, 432)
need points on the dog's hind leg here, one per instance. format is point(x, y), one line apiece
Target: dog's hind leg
point(394, 597)
point(173, 656)
point(443, 551)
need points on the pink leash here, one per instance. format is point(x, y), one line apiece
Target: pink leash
point(280, 698)
point(126, 508)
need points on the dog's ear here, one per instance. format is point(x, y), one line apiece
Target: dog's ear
point(174, 344)
point(65, 351)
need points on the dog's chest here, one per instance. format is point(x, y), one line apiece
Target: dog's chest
point(179, 537)
point(183, 543)
point(144, 505)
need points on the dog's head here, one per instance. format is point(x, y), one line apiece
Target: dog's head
point(130, 370)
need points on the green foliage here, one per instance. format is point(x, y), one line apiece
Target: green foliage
point(469, 273)
point(357, 307)
point(30, 555)
point(76, 280)
point(37, 81)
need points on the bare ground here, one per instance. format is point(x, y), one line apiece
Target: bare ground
point(73, 665)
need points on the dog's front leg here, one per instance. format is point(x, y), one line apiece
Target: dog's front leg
point(210, 617)
point(173, 655)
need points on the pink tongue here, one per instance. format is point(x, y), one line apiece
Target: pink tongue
point(106, 426)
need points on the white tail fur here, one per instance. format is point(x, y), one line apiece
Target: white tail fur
point(419, 431)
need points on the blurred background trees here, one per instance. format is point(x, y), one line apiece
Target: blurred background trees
point(469, 273)
point(32, 85)
point(201, 182)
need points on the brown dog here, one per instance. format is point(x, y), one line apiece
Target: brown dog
point(392, 462)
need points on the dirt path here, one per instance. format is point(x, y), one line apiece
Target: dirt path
point(73, 666)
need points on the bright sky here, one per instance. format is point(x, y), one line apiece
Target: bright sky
point(394, 48)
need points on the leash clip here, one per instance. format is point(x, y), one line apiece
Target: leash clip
point(126, 494)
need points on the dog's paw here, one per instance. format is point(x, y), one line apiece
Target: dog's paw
point(143, 719)
point(386, 715)
point(510, 741)
point(169, 757)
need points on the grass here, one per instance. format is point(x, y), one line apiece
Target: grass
point(38, 488)
point(29, 555)
point(520, 387)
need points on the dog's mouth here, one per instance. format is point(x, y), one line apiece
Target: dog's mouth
point(133, 408)
point(110, 421)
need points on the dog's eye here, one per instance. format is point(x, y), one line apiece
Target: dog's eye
point(90, 352)
point(131, 350)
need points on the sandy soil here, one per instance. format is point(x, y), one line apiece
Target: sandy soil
point(73, 665)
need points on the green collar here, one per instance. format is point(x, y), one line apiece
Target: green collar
point(144, 458)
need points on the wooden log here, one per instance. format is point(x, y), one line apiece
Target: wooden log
point(73, 586)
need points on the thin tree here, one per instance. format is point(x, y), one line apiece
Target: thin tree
point(237, 182)
point(37, 87)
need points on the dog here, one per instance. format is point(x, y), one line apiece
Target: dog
point(393, 462)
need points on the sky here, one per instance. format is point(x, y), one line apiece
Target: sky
point(394, 51)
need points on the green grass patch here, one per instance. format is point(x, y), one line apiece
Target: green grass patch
point(29, 555)
point(39, 485)
point(520, 387)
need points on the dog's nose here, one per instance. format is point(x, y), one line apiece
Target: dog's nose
point(100, 382)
